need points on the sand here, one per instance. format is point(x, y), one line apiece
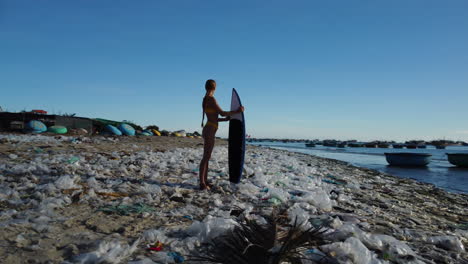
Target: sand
point(52, 193)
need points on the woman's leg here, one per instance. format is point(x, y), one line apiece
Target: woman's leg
point(208, 136)
point(210, 145)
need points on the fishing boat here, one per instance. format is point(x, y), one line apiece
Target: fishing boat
point(458, 159)
point(330, 143)
point(383, 145)
point(408, 159)
point(371, 145)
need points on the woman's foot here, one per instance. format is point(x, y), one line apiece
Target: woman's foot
point(204, 186)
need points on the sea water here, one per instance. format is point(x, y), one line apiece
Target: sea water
point(439, 171)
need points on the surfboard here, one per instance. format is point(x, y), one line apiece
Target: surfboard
point(236, 141)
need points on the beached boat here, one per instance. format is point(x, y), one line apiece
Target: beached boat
point(458, 159)
point(408, 159)
point(310, 145)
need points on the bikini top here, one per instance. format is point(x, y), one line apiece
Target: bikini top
point(207, 110)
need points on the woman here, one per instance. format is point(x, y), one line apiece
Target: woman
point(212, 110)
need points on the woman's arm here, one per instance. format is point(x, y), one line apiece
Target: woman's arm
point(223, 113)
point(224, 119)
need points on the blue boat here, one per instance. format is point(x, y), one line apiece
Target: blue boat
point(112, 130)
point(36, 126)
point(458, 159)
point(408, 159)
point(127, 129)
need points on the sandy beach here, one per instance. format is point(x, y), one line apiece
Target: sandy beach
point(69, 199)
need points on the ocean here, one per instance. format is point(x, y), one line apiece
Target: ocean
point(439, 172)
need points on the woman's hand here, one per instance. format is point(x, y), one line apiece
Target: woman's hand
point(224, 119)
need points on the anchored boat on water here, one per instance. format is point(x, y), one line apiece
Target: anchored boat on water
point(408, 159)
point(458, 159)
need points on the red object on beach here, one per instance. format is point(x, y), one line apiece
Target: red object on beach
point(38, 111)
point(156, 247)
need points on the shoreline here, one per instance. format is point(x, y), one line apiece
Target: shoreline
point(50, 201)
point(439, 172)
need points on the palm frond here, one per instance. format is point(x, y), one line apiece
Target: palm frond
point(270, 243)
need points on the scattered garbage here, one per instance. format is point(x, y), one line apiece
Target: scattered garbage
point(447, 242)
point(124, 209)
point(177, 257)
point(40, 190)
point(158, 246)
point(73, 160)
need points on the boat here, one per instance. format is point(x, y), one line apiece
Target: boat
point(329, 143)
point(310, 145)
point(398, 146)
point(458, 159)
point(422, 146)
point(371, 145)
point(383, 145)
point(408, 159)
point(342, 145)
point(411, 146)
point(440, 146)
point(355, 145)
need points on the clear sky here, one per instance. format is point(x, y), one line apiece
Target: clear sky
point(304, 69)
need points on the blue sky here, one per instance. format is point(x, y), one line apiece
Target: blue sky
point(304, 69)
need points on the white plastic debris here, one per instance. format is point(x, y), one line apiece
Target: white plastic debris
point(351, 250)
point(210, 228)
point(66, 182)
point(447, 242)
point(108, 252)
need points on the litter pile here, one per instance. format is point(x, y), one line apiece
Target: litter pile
point(92, 205)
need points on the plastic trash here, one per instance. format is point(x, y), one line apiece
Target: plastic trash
point(447, 242)
point(124, 209)
point(275, 201)
point(66, 182)
point(73, 160)
point(177, 257)
point(350, 250)
point(142, 261)
point(189, 217)
point(158, 246)
point(108, 252)
point(210, 227)
point(38, 150)
point(319, 198)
